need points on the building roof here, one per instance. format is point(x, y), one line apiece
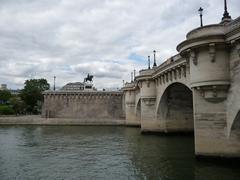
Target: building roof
point(73, 86)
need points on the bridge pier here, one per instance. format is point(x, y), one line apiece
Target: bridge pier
point(148, 122)
point(148, 101)
point(210, 130)
point(132, 118)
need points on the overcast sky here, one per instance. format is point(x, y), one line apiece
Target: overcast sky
point(107, 38)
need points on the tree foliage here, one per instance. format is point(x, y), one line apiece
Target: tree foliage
point(17, 104)
point(32, 93)
point(5, 95)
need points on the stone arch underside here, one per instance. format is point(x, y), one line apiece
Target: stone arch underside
point(138, 110)
point(235, 130)
point(175, 110)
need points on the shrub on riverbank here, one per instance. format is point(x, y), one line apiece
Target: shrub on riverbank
point(6, 110)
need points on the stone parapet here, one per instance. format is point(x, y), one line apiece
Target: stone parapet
point(206, 31)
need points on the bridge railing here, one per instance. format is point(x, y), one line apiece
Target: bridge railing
point(170, 63)
point(234, 24)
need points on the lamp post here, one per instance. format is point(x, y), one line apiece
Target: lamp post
point(201, 15)
point(134, 74)
point(54, 81)
point(154, 59)
point(131, 76)
point(226, 14)
point(149, 62)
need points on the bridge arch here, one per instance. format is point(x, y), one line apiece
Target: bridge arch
point(235, 129)
point(138, 110)
point(175, 108)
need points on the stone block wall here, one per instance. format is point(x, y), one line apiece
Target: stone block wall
point(95, 106)
point(233, 99)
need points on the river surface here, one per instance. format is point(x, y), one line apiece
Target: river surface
point(91, 152)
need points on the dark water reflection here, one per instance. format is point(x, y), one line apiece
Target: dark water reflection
point(71, 152)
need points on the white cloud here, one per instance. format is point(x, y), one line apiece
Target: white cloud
point(72, 38)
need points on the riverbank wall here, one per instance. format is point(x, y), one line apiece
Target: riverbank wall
point(79, 106)
point(38, 120)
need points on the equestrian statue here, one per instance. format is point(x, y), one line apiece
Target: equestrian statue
point(88, 78)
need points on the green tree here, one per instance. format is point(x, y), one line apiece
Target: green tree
point(5, 95)
point(17, 105)
point(32, 93)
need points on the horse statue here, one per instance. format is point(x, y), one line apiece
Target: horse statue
point(88, 78)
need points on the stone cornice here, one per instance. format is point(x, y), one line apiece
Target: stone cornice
point(145, 74)
point(170, 66)
point(149, 101)
point(209, 30)
point(201, 41)
point(233, 35)
point(208, 83)
point(112, 93)
point(235, 24)
point(129, 87)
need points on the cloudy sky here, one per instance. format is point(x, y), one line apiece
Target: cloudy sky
point(107, 38)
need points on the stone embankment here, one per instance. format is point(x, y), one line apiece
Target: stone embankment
point(38, 120)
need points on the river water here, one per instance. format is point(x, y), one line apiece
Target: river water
point(91, 152)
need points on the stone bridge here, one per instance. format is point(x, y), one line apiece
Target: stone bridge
point(197, 91)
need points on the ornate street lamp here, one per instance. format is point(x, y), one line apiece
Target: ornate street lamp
point(226, 14)
point(154, 59)
point(201, 15)
point(54, 81)
point(149, 62)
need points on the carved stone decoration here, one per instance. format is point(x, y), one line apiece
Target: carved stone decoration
point(174, 74)
point(160, 80)
point(187, 65)
point(193, 57)
point(148, 83)
point(187, 55)
point(185, 71)
point(238, 49)
point(212, 52)
point(215, 93)
point(166, 76)
point(130, 104)
point(179, 73)
point(170, 75)
point(149, 101)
